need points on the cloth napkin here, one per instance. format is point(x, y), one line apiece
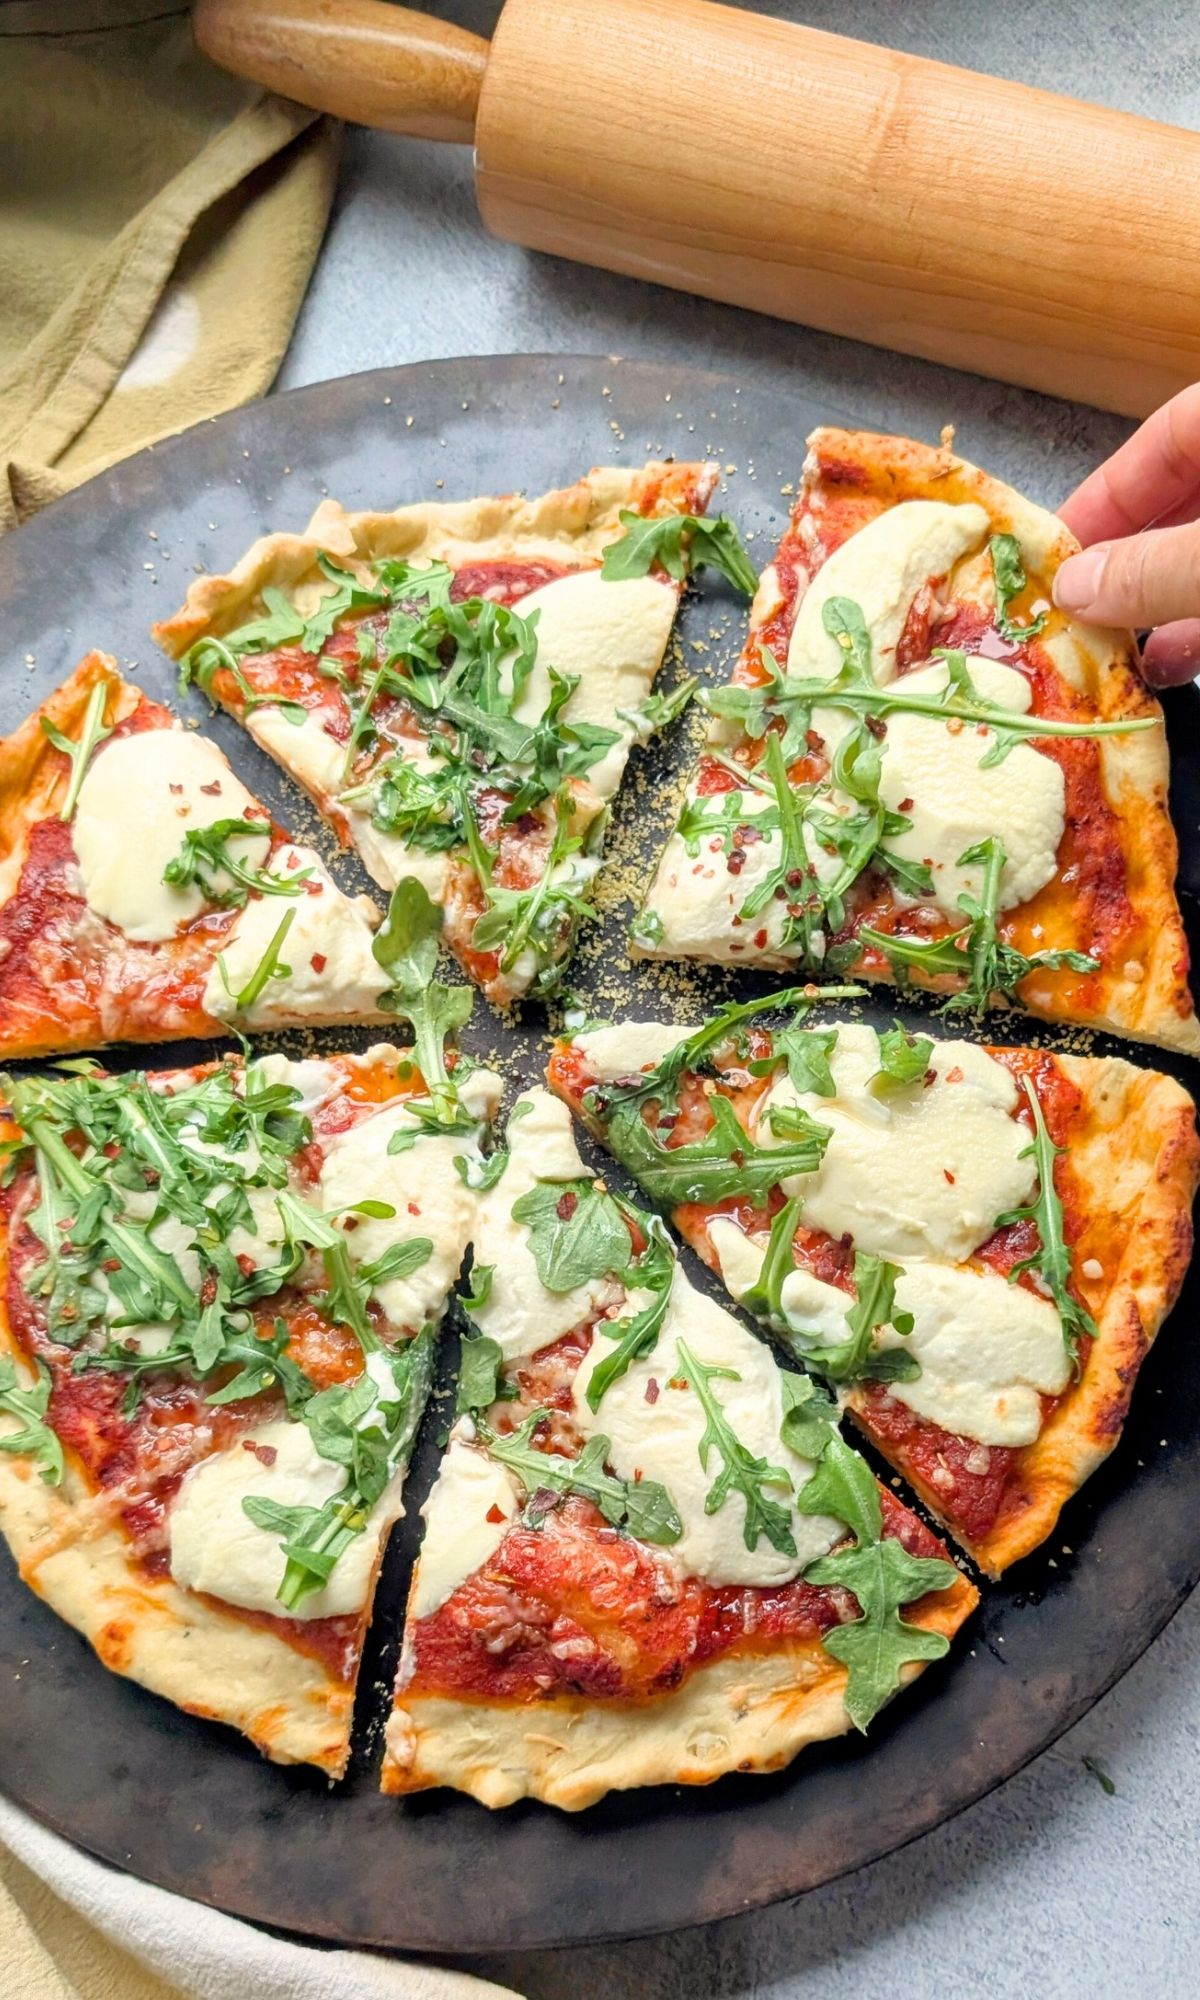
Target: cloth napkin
point(73, 1929)
point(159, 222)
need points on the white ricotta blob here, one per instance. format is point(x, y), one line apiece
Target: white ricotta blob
point(216, 1548)
point(881, 568)
point(613, 637)
point(142, 793)
point(655, 1430)
point(920, 1170)
point(956, 802)
point(809, 1305)
point(466, 1518)
point(988, 1351)
point(305, 749)
point(698, 900)
point(332, 971)
point(626, 1047)
point(519, 1314)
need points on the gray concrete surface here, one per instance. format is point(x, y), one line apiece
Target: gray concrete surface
point(1049, 1886)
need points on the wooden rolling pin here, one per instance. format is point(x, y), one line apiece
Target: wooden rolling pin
point(903, 202)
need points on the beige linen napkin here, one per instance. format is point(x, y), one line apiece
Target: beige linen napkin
point(159, 222)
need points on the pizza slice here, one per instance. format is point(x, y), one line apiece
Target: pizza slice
point(924, 772)
point(457, 687)
point(146, 895)
point(649, 1557)
point(222, 1289)
point(974, 1246)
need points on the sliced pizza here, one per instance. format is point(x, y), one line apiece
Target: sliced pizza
point(458, 687)
point(146, 895)
point(221, 1293)
point(975, 1246)
point(923, 771)
point(649, 1557)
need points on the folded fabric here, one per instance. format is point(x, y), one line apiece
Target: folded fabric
point(159, 225)
point(46, 1954)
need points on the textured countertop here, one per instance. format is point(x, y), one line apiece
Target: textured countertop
point(1050, 1885)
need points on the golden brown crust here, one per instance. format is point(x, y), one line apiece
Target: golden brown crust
point(1138, 1157)
point(743, 1712)
point(573, 523)
point(1150, 1001)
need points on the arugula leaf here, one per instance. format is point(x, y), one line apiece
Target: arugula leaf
point(406, 946)
point(643, 1507)
point(878, 1571)
point(270, 966)
point(646, 929)
point(873, 1306)
point(80, 750)
point(479, 1374)
point(576, 1233)
point(206, 855)
point(680, 544)
point(741, 1471)
point(658, 711)
point(541, 918)
point(484, 1173)
point(34, 1439)
point(903, 1058)
point(1052, 1259)
point(636, 1335)
point(810, 1415)
point(1009, 572)
point(727, 1161)
point(806, 1051)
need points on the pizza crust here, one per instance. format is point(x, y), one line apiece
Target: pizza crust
point(571, 524)
point(1139, 1159)
point(741, 1713)
point(33, 782)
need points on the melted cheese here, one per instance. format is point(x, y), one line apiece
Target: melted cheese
point(466, 1519)
point(388, 859)
point(988, 1351)
point(809, 1305)
point(956, 802)
point(424, 1187)
point(881, 568)
point(627, 1047)
point(332, 969)
point(698, 900)
point(612, 636)
point(216, 1548)
point(305, 749)
point(917, 1171)
point(519, 1314)
point(142, 793)
point(660, 1439)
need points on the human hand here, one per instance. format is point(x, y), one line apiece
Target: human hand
point(1138, 517)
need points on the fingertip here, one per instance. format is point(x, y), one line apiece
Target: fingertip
point(1171, 655)
point(1076, 584)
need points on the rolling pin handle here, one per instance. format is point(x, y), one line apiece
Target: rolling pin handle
point(361, 60)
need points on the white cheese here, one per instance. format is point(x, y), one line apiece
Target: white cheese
point(628, 1046)
point(305, 749)
point(660, 1439)
point(956, 802)
point(988, 1351)
point(317, 1081)
point(216, 1548)
point(519, 1314)
point(809, 1305)
point(389, 859)
point(142, 793)
point(422, 1185)
point(881, 568)
point(922, 1170)
point(332, 969)
point(459, 1536)
point(698, 899)
point(613, 637)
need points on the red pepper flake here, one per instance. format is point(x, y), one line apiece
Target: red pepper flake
point(293, 861)
point(905, 806)
point(678, 1382)
point(948, 1175)
point(495, 1514)
point(566, 1205)
point(876, 728)
point(212, 791)
point(266, 1454)
point(414, 1208)
point(176, 790)
point(318, 961)
point(814, 741)
point(954, 1075)
point(736, 862)
point(312, 887)
point(350, 1221)
point(652, 1391)
point(760, 939)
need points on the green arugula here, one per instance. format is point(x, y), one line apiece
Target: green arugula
point(206, 855)
point(806, 1051)
point(741, 1471)
point(270, 966)
point(636, 1335)
point(873, 1306)
point(480, 1371)
point(34, 1439)
point(1009, 572)
point(679, 544)
point(1052, 1258)
point(79, 750)
point(878, 1571)
point(903, 1058)
point(577, 1232)
point(406, 946)
point(976, 954)
point(727, 1161)
point(542, 918)
point(641, 1506)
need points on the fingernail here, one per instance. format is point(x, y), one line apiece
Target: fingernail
point(1077, 584)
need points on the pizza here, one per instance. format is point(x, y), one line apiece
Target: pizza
point(974, 1246)
point(221, 1292)
point(649, 1556)
point(146, 895)
point(923, 772)
point(458, 687)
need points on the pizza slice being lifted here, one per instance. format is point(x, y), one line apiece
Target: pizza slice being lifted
point(458, 687)
point(217, 1334)
point(649, 1557)
point(974, 1246)
point(925, 772)
point(146, 895)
